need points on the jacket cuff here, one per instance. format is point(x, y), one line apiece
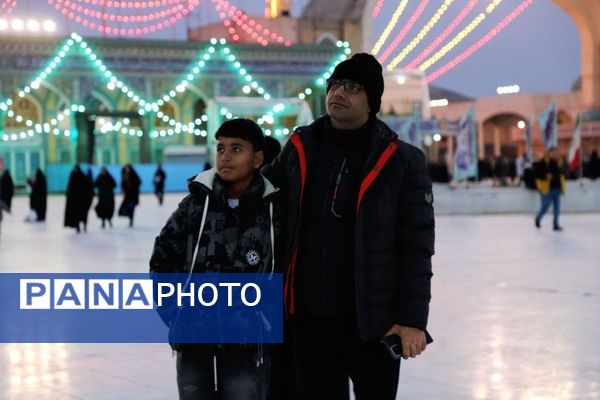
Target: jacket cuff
point(413, 314)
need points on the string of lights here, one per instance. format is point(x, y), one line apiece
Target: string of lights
point(389, 27)
point(400, 36)
point(440, 39)
point(261, 34)
point(459, 37)
point(143, 23)
point(377, 8)
point(144, 106)
point(422, 34)
point(7, 6)
point(481, 42)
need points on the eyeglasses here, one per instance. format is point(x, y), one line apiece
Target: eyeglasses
point(349, 86)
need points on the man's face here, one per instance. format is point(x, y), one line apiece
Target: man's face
point(236, 159)
point(346, 104)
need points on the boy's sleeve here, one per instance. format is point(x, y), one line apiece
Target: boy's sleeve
point(169, 254)
point(170, 246)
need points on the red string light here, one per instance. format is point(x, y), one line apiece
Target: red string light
point(377, 8)
point(153, 21)
point(255, 30)
point(137, 18)
point(434, 45)
point(7, 7)
point(131, 4)
point(400, 36)
point(481, 42)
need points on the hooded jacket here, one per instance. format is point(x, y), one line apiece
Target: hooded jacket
point(394, 229)
point(228, 235)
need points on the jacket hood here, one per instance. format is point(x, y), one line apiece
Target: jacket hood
point(205, 181)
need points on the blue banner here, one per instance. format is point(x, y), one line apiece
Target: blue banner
point(411, 132)
point(139, 308)
point(465, 155)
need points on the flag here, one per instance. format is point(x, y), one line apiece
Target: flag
point(547, 121)
point(410, 132)
point(574, 159)
point(465, 155)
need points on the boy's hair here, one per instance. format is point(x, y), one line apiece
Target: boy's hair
point(245, 129)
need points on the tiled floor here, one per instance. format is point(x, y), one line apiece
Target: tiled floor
point(515, 311)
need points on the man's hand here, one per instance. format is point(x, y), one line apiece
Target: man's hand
point(413, 340)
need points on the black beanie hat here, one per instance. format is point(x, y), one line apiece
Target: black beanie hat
point(245, 129)
point(362, 68)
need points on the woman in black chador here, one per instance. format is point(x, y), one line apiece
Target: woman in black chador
point(7, 190)
point(77, 200)
point(130, 185)
point(39, 194)
point(159, 184)
point(105, 208)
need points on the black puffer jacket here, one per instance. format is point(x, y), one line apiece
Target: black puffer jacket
point(174, 245)
point(394, 232)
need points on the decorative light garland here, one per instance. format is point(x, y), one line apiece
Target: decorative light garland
point(167, 17)
point(131, 4)
point(481, 42)
point(7, 6)
point(400, 36)
point(233, 33)
point(438, 40)
point(389, 27)
point(422, 33)
point(114, 83)
point(377, 8)
point(249, 25)
point(459, 37)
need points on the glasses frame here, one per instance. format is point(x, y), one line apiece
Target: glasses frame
point(350, 86)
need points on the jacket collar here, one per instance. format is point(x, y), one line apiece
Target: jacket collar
point(381, 137)
point(205, 180)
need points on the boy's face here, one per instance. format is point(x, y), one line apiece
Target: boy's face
point(236, 159)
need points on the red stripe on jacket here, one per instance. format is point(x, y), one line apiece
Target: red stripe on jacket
point(290, 284)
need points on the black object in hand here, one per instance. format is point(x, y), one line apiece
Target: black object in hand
point(393, 344)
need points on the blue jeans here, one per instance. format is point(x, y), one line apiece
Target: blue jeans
point(239, 376)
point(553, 197)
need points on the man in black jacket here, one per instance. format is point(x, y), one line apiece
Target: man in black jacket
point(360, 230)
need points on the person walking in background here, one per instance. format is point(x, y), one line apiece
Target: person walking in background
point(77, 200)
point(7, 190)
point(159, 184)
point(39, 196)
point(130, 186)
point(593, 166)
point(550, 183)
point(105, 208)
point(519, 169)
